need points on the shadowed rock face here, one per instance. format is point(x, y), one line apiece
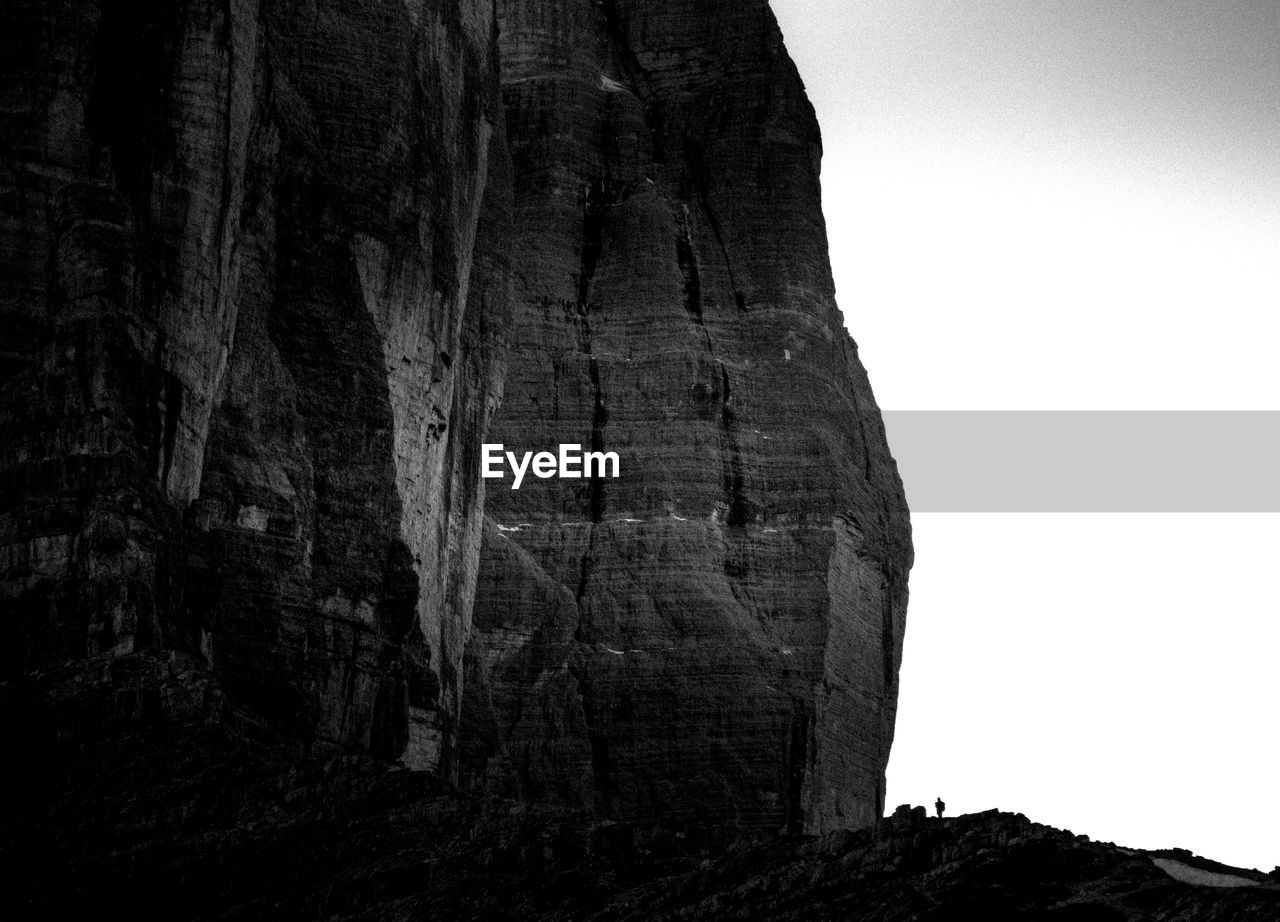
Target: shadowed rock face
point(715, 636)
point(253, 294)
point(261, 263)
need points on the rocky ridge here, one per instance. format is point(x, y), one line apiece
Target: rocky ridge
point(186, 822)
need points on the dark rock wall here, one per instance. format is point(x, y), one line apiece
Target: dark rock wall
point(254, 295)
point(714, 638)
point(261, 264)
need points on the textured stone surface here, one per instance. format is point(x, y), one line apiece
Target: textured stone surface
point(253, 297)
point(713, 638)
point(261, 264)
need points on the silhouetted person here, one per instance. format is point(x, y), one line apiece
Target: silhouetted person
point(940, 807)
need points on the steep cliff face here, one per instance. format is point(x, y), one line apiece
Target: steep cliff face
point(253, 301)
point(261, 265)
point(714, 637)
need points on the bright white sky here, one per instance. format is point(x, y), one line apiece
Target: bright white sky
point(1070, 204)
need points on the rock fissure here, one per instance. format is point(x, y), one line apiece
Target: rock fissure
point(698, 172)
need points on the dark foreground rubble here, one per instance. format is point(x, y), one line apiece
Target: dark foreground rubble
point(193, 823)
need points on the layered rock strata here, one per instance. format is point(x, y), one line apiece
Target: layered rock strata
point(714, 637)
point(254, 294)
point(257, 261)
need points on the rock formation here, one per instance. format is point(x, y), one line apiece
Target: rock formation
point(262, 264)
point(714, 637)
point(254, 266)
point(266, 650)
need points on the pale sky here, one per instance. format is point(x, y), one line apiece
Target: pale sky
point(1070, 204)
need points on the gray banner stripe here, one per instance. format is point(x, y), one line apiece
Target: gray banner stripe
point(1087, 461)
